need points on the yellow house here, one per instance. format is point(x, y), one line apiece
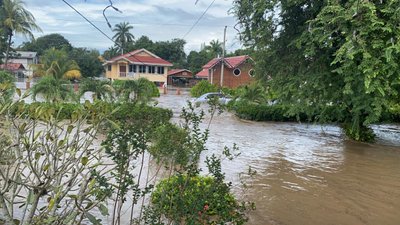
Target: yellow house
point(137, 64)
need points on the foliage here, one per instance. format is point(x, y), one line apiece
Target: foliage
point(264, 112)
point(43, 43)
point(117, 111)
point(17, 20)
point(123, 36)
point(7, 85)
point(318, 53)
point(101, 89)
point(72, 75)
point(253, 92)
point(196, 200)
point(202, 87)
point(142, 89)
point(88, 61)
point(52, 180)
point(55, 63)
point(196, 60)
point(52, 89)
point(214, 48)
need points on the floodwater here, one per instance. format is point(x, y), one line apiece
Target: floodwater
point(308, 174)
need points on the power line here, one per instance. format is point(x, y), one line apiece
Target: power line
point(100, 30)
point(89, 22)
point(191, 28)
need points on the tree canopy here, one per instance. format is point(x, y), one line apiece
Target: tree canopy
point(45, 42)
point(315, 54)
point(17, 20)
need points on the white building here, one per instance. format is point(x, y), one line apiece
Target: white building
point(26, 59)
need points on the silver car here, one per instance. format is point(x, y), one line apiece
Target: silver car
point(206, 97)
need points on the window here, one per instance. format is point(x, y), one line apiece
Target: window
point(160, 70)
point(132, 68)
point(142, 69)
point(251, 73)
point(236, 72)
point(109, 67)
point(152, 69)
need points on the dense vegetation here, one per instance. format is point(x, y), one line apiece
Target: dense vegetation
point(313, 54)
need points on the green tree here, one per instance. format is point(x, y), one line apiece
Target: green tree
point(123, 35)
point(56, 71)
point(102, 89)
point(41, 44)
point(214, 48)
point(17, 20)
point(316, 53)
point(173, 51)
point(52, 89)
point(196, 60)
point(7, 86)
point(88, 61)
point(142, 90)
point(143, 42)
point(110, 53)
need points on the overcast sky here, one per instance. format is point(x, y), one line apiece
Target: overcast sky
point(160, 20)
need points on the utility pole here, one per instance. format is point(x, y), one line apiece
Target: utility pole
point(222, 59)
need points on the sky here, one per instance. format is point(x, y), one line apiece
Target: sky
point(160, 20)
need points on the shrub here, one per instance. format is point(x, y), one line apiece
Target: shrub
point(7, 87)
point(203, 87)
point(196, 200)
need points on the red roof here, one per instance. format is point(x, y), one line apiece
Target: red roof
point(13, 66)
point(175, 71)
point(231, 62)
point(203, 73)
point(148, 60)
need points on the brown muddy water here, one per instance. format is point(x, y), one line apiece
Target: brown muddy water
point(308, 174)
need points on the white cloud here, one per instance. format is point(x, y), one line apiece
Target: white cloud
point(157, 19)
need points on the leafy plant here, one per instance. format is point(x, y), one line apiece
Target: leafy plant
point(202, 87)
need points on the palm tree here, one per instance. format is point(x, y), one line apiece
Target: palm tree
point(142, 89)
point(52, 89)
point(101, 89)
point(17, 20)
point(215, 48)
point(122, 35)
point(56, 71)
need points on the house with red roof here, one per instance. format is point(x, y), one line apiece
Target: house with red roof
point(16, 68)
point(180, 78)
point(237, 71)
point(137, 64)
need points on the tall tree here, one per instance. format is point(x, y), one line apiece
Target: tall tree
point(3, 37)
point(41, 44)
point(17, 20)
point(214, 48)
point(88, 61)
point(319, 54)
point(123, 36)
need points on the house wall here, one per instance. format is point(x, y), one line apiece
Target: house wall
point(230, 80)
point(115, 73)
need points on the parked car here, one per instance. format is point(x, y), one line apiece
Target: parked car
point(206, 97)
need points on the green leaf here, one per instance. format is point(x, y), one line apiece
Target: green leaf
point(93, 219)
point(84, 160)
point(103, 210)
point(37, 155)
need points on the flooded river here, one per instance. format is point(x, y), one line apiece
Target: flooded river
point(308, 174)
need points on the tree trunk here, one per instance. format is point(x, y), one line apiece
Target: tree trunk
point(4, 213)
point(33, 208)
point(8, 50)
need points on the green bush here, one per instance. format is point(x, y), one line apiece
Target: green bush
point(196, 200)
point(202, 87)
point(122, 111)
point(7, 85)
